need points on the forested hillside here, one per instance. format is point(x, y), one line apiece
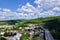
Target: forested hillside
point(9, 22)
point(51, 23)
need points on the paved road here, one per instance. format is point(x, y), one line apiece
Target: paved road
point(47, 34)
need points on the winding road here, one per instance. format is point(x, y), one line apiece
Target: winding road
point(47, 34)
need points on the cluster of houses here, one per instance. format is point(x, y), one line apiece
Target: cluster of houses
point(18, 33)
point(6, 26)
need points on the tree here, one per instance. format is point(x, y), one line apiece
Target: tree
point(54, 27)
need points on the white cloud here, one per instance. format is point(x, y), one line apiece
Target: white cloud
point(27, 11)
point(37, 1)
point(47, 4)
point(7, 14)
point(45, 8)
point(47, 14)
point(6, 10)
point(26, 8)
point(56, 9)
point(0, 8)
point(22, 15)
point(49, 7)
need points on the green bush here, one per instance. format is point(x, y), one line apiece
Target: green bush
point(1, 38)
point(25, 36)
point(8, 34)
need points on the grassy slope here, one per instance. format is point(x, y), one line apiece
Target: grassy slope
point(41, 21)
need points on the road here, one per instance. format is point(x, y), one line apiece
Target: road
point(47, 34)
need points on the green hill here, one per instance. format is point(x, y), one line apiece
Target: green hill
point(51, 23)
point(10, 22)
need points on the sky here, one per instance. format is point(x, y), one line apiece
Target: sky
point(28, 9)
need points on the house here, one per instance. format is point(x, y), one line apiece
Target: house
point(32, 26)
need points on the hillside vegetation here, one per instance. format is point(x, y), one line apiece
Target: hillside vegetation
point(10, 22)
point(51, 23)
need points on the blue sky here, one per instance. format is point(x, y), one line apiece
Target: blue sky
point(28, 9)
point(14, 4)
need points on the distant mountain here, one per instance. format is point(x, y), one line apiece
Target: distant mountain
point(9, 22)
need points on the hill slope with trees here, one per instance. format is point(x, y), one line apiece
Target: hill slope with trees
point(51, 23)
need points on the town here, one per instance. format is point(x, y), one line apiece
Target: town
point(31, 32)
